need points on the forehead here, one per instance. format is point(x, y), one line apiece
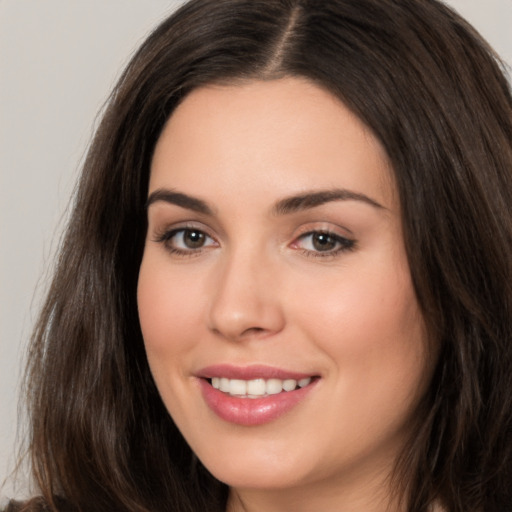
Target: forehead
point(281, 137)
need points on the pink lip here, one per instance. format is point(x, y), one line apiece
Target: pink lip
point(249, 372)
point(251, 411)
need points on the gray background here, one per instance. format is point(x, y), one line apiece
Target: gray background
point(58, 62)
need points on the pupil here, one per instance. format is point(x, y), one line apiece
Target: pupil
point(323, 242)
point(193, 239)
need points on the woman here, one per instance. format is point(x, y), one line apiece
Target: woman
point(287, 282)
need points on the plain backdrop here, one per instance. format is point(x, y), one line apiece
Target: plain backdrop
point(58, 61)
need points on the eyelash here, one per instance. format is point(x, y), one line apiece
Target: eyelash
point(167, 236)
point(342, 244)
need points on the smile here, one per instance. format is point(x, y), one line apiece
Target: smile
point(257, 388)
point(254, 395)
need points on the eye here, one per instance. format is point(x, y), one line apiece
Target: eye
point(186, 240)
point(323, 243)
point(190, 239)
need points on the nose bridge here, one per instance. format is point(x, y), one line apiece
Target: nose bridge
point(245, 301)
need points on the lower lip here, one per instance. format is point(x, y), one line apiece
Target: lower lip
point(252, 411)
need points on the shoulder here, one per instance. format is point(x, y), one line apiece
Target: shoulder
point(36, 505)
point(23, 506)
point(11, 506)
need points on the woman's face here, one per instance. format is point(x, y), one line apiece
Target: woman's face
point(275, 270)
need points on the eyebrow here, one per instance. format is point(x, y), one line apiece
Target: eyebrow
point(313, 199)
point(286, 206)
point(179, 199)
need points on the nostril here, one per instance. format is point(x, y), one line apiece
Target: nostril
point(254, 330)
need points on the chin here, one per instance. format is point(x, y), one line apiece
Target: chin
point(256, 468)
point(257, 478)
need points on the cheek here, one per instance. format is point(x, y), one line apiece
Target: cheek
point(168, 313)
point(359, 301)
point(369, 325)
point(372, 332)
point(168, 308)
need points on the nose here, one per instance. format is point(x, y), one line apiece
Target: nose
point(246, 301)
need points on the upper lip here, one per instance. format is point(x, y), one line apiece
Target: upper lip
point(249, 372)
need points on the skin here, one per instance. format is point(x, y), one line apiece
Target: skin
point(260, 292)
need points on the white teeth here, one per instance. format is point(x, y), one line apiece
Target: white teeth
point(237, 387)
point(257, 387)
point(274, 386)
point(304, 382)
point(289, 384)
point(224, 385)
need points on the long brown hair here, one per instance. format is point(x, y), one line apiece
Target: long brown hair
point(435, 95)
